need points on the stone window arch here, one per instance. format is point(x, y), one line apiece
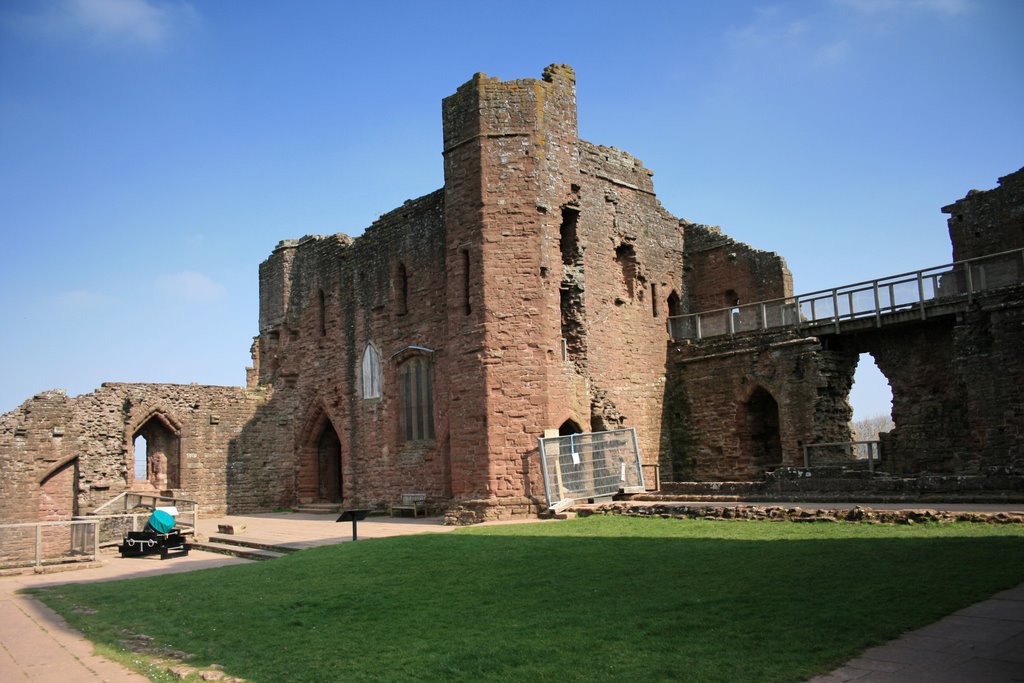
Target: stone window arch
point(416, 398)
point(370, 373)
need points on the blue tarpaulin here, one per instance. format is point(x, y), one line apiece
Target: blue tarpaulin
point(161, 521)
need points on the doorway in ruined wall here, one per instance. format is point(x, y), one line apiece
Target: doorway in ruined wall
point(758, 431)
point(870, 398)
point(156, 455)
point(321, 473)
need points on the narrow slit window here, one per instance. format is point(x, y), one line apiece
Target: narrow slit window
point(322, 311)
point(402, 289)
point(465, 281)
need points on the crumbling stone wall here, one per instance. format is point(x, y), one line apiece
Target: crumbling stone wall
point(61, 455)
point(324, 299)
point(721, 272)
point(990, 221)
point(751, 402)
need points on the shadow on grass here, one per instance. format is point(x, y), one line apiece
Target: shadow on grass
point(715, 602)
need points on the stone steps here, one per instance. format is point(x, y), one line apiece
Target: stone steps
point(318, 508)
point(255, 545)
point(236, 550)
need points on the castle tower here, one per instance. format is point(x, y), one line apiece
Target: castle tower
point(511, 155)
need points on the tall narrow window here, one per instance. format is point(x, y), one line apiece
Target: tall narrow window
point(625, 256)
point(371, 373)
point(417, 398)
point(322, 310)
point(465, 281)
point(568, 240)
point(654, 299)
point(674, 308)
point(402, 289)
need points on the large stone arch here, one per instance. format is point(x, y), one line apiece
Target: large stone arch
point(162, 433)
point(758, 430)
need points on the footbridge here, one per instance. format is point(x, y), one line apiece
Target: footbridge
point(906, 297)
point(752, 385)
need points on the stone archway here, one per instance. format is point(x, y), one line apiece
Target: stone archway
point(321, 473)
point(758, 430)
point(162, 461)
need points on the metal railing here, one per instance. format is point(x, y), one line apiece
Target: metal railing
point(80, 539)
point(872, 299)
point(845, 453)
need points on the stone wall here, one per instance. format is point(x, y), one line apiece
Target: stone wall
point(62, 455)
point(743, 406)
point(324, 300)
point(721, 272)
point(989, 221)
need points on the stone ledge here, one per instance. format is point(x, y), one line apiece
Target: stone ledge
point(797, 514)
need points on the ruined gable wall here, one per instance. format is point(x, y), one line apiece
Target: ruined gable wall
point(313, 352)
point(990, 221)
point(97, 428)
point(632, 259)
point(720, 271)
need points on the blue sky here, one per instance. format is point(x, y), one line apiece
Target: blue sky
point(153, 152)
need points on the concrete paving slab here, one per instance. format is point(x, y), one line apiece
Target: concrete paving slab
point(982, 642)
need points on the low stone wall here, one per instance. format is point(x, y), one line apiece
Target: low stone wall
point(797, 514)
point(835, 484)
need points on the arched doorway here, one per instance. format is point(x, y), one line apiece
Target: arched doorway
point(159, 465)
point(760, 443)
point(320, 465)
point(328, 462)
point(569, 427)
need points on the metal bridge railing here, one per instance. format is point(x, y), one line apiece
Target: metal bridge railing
point(871, 299)
point(845, 453)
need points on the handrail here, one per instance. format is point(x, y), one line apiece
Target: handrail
point(90, 540)
point(123, 496)
point(876, 298)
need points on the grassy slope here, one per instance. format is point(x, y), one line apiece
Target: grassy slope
point(598, 598)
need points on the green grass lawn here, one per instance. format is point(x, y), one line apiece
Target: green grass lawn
point(602, 598)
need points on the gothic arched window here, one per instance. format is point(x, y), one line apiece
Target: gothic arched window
point(371, 372)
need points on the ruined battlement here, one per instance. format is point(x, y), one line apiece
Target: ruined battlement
point(529, 295)
point(988, 221)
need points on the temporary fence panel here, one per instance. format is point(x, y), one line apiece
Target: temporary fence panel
point(591, 465)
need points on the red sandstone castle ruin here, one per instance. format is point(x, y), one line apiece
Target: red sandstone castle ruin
point(531, 293)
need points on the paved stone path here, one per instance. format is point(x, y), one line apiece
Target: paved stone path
point(983, 643)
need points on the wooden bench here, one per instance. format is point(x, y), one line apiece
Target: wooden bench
point(417, 502)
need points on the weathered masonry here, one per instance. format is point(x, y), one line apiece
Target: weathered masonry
point(748, 402)
point(531, 293)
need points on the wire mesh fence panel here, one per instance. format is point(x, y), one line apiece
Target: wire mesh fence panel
point(590, 465)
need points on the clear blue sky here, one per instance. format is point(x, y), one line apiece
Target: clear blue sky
point(153, 152)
